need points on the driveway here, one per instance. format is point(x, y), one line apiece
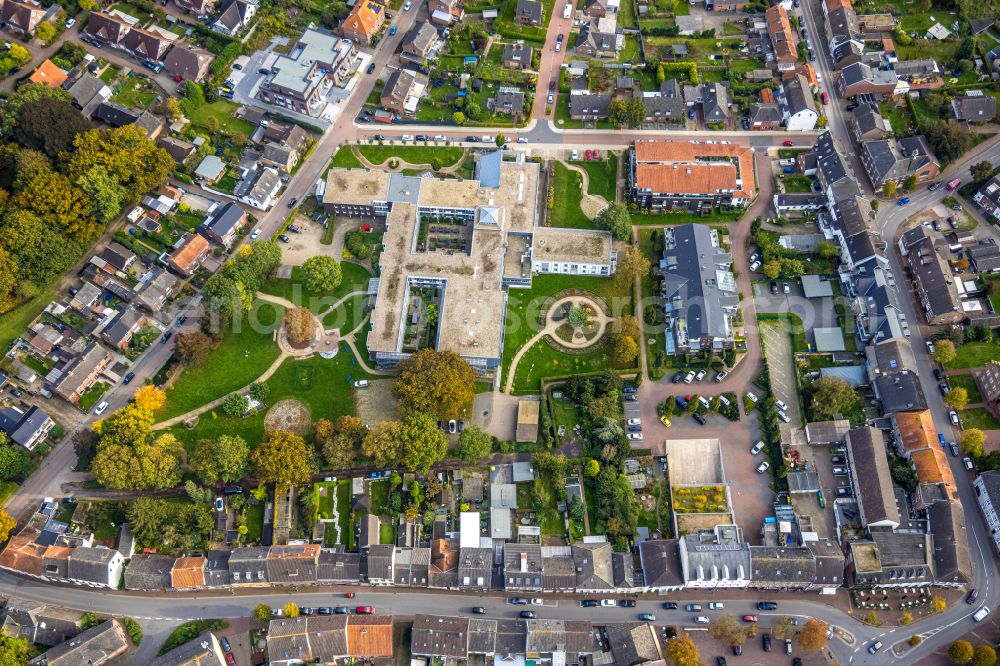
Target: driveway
point(814, 312)
point(777, 343)
point(306, 244)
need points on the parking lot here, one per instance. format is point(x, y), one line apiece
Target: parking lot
point(777, 345)
point(814, 312)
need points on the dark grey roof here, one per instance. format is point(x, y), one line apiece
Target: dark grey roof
point(661, 566)
point(861, 247)
point(867, 119)
point(991, 483)
point(511, 637)
point(690, 280)
point(794, 566)
point(248, 565)
point(41, 624)
point(475, 566)
point(91, 564)
point(715, 102)
point(197, 652)
point(410, 566)
point(558, 572)
point(591, 105)
point(900, 392)
point(623, 570)
point(891, 356)
point(952, 563)
point(510, 100)
point(812, 199)
point(440, 636)
point(975, 108)
point(591, 37)
point(934, 279)
point(149, 572)
point(798, 97)
point(530, 8)
point(116, 115)
point(482, 636)
point(570, 636)
point(335, 567)
point(217, 568)
point(291, 564)
point(380, 561)
point(96, 645)
point(880, 155)
point(122, 325)
point(518, 52)
point(522, 573)
point(119, 256)
point(764, 113)
point(831, 170)
point(593, 566)
point(912, 237)
point(222, 220)
point(424, 36)
point(22, 426)
point(829, 562)
point(872, 480)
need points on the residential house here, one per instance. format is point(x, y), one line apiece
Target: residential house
point(634, 643)
point(559, 641)
point(421, 44)
point(988, 197)
point(867, 124)
point(187, 61)
point(189, 254)
point(205, 650)
point(516, 56)
point(588, 106)
point(149, 572)
point(115, 114)
point(765, 115)
point(188, 573)
point(41, 624)
point(248, 565)
point(871, 478)
point(320, 639)
point(234, 16)
point(661, 565)
point(593, 567)
point(716, 559)
point(984, 255)
point(145, 44)
point(402, 91)
point(783, 38)
point(150, 124)
point(363, 22)
point(87, 93)
point(444, 564)
point(596, 8)
point(108, 29)
point(446, 12)
point(890, 560)
point(714, 103)
point(116, 258)
point(952, 562)
point(936, 288)
point(292, 564)
point(410, 566)
point(283, 158)
point(522, 567)
point(96, 567)
point(123, 325)
point(86, 297)
point(223, 223)
point(914, 75)
point(25, 427)
point(862, 79)
point(987, 487)
point(286, 134)
point(261, 190)
point(670, 175)
point(338, 568)
point(528, 12)
point(48, 74)
point(301, 81)
point(79, 374)
point(665, 107)
point(897, 159)
point(974, 107)
point(900, 392)
point(440, 637)
point(179, 149)
point(475, 568)
point(798, 108)
point(21, 16)
point(782, 567)
point(95, 646)
point(380, 563)
point(509, 101)
point(600, 38)
point(988, 381)
point(210, 170)
point(558, 569)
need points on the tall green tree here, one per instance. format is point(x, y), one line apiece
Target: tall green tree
point(616, 219)
point(224, 459)
point(104, 190)
point(474, 444)
point(284, 458)
point(321, 273)
point(423, 442)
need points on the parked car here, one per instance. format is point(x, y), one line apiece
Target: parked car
point(844, 491)
point(700, 419)
point(953, 416)
point(519, 601)
point(767, 605)
point(255, 234)
point(754, 266)
point(342, 610)
point(647, 617)
point(627, 603)
point(825, 98)
point(763, 467)
point(678, 376)
point(129, 376)
point(701, 619)
point(757, 448)
point(766, 642)
point(689, 377)
point(633, 422)
point(722, 374)
point(953, 447)
point(749, 618)
point(635, 436)
point(701, 375)
point(452, 426)
point(669, 605)
point(590, 603)
point(692, 608)
point(371, 68)
point(774, 287)
point(365, 610)
point(166, 337)
point(224, 642)
point(361, 383)
point(528, 615)
point(751, 397)
point(968, 464)
point(787, 143)
point(284, 238)
point(788, 641)
point(981, 613)
point(970, 598)
point(715, 605)
point(840, 471)
point(70, 22)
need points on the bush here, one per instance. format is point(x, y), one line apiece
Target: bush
point(189, 631)
point(134, 630)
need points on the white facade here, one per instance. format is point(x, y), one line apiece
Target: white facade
point(570, 268)
point(802, 121)
point(988, 508)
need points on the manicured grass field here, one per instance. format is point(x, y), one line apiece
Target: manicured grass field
point(137, 92)
point(413, 154)
point(978, 417)
point(974, 355)
point(345, 158)
point(379, 492)
point(354, 277)
point(344, 505)
point(602, 175)
point(523, 306)
point(543, 361)
point(222, 110)
point(968, 382)
point(566, 210)
point(795, 183)
point(241, 357)
point(255, 523)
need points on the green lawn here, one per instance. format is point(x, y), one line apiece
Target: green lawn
point(229, 366)
point(796, 183)
point(979, 417)
point(344, 158)
point(222, 110)
point(523, 306)
point(967, 382)
point(564, 413)
point(566, 210)
point(14, 322)
point(974, 355)
point(543, 361)
point(325, 491)
point(379, 492)
point(344, 505)
point(137, 92)
point(413, 154)
point(602, 175)
point(353, 278)
point(255, 522)
point(92, 395)
point(789, 323)
point(386, 533)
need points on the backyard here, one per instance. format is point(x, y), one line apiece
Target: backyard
point(602, 175)
point(447, 156)
point(979, 417)
point(974, 355)
point(968, 382)
point(222, 110)
point(137, 92)
point(566, 211)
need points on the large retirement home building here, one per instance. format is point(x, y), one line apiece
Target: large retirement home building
point(458, 245)
point(682, 175)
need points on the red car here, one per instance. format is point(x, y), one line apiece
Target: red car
point(552, 84)
point(825, 98)
point(230, 659)
point(749, 618)
point(365, 610)
point(788, 143)
point(349, 595)
point(178, 79)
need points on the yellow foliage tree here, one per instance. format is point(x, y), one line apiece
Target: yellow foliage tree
point(149, 398)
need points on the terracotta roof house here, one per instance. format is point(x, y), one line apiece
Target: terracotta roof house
point(21, 16)
point(49, 74)
point(22, 554)
point(95, 646)
point(79, 374)
point(528, 12)
point(369, 636)
point(783, 39)
point(364, 21)
point(188, 573)
point(145, 44)
point(680, 174)
point(106, 28)
point(235, 15)
point(974, 107)
point(189, 254)
point(188, 62)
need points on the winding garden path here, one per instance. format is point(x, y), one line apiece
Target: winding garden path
point(590, 204)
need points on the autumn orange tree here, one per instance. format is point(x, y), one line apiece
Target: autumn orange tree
point(440, 383)
point(683, 651)
point(284, 458)
point(300, 325)
point(813, 636)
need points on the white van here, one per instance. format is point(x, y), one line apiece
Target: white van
point(567, 10)
point(981, 613)
point(704, 401)
point(757, 448)
point(724, 400)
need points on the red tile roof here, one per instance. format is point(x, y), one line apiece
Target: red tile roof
point(694, 168)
